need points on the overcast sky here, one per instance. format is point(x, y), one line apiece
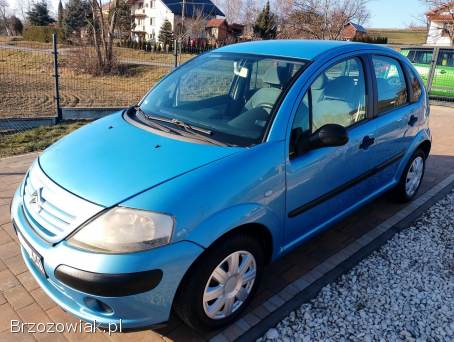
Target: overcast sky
point(383, 13)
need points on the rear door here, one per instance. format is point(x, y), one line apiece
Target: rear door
point(443, 81)
point(396, 119)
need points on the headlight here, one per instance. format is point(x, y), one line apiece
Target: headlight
point(123, 230)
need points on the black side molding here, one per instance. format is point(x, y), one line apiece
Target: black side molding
point(345, 186)
point(108, 285)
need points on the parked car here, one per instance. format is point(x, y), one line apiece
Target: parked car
point(229, 162)
point(443, 80)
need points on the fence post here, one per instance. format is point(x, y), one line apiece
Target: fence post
point(431, 75)
point(175, 52)
point(56, 76)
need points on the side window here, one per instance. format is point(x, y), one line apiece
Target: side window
point(423, 57)
point(338, 95)
point(391, 86)
point(415, 86)
point(446, 58)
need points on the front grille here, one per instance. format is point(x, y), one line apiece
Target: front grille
point(52, 211)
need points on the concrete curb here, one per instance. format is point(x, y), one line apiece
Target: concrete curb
point(256, 323)
point(19, 156)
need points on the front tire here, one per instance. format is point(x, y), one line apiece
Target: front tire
point(411, 178)
point(221, 284)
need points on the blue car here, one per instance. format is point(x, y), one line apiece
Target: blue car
point(232, 160)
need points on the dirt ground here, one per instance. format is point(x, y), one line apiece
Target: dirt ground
point(27, 85)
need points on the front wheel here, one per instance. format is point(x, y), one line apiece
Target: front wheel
point(221, 284)
point(412, 177)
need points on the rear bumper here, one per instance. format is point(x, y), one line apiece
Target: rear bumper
point(72, 277)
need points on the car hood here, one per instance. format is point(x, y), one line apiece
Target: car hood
point(111, 160)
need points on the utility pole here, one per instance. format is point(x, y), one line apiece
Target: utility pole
point(182, 14)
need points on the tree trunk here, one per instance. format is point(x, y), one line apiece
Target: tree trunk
point(95, 35)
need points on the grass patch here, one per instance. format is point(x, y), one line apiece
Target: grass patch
point(35, 139)
point(401, 36)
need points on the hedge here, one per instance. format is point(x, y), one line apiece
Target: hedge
point(372, 40)
point(41, 33)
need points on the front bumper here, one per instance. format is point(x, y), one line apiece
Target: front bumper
point(138, 310)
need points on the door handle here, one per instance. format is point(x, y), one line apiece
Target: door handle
point(412, 120)
point(367, 142)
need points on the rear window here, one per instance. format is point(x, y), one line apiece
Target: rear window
point(415, 86)
point(391, 86)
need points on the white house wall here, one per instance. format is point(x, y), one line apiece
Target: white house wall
point(434, 35)
point(159, 13)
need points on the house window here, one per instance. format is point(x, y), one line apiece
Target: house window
point(151, 21)
point(152, 3)
point(146, 4)
point(140, 5)
point(140, 21)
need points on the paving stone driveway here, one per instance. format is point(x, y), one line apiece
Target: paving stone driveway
point(22, 299)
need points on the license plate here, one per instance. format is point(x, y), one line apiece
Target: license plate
point(34, 256)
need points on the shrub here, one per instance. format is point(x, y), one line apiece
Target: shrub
point(372, 40)
point(42, 33)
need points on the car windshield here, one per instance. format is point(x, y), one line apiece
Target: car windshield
point(227, 97)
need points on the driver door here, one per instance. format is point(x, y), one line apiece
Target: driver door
point(324, 183)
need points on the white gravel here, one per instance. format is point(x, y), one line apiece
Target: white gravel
point(402, 292)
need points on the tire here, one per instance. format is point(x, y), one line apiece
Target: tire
point(405, 190)
point(193, 303)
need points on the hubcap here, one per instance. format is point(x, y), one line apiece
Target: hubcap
point(229, 285)
point(414, 176)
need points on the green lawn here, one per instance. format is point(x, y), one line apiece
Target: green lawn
point(36, 139)
point(401, 36)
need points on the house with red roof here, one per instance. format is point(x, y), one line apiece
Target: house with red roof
point(441, 25)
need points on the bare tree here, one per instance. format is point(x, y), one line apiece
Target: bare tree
point(323, 19)
point(3, 17)
point(443, 12)
point(283, 8)
point(103, 27)
point(251, 9)
point(233, 9)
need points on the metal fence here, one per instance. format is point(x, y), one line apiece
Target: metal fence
point(436, 67)
point(39, 81)
point(42, 80)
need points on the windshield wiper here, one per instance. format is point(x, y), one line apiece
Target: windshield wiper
point(152, 123)
point(193, 131)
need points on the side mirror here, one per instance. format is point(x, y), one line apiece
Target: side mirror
point(328, 136)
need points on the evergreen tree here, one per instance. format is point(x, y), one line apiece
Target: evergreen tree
point(166, 33)
point(265, 26)
point(39, 14)
point(15, 25)
point(60, 14)
point(77, 15)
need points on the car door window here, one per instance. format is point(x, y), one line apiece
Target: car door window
point(446, 58)
point(391, 86)
point(337, 96)
point(423, 57)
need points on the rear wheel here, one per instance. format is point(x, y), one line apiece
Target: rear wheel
point(221, 284)
point(411, 178)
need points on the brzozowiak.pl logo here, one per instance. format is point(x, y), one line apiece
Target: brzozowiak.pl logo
point(18, 327)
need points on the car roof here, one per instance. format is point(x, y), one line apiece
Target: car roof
point(300, 49)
